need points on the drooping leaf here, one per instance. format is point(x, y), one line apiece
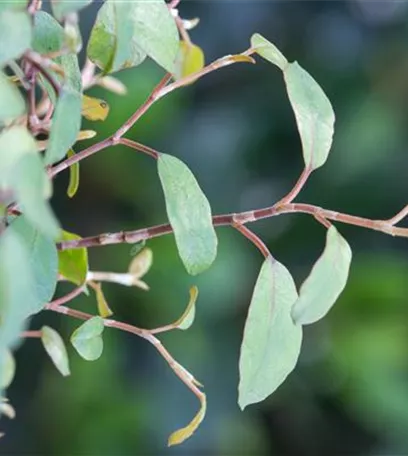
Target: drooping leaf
point(187, 319)
point(7, 368)
point(183, 434)
point(61, 8)
point(43, 259)
point(268, 51)
point(313, 111)
point(15, 34)
point(73, 263)
point(271, 342)
point(55, 347)
point(12, 104)
point(189, 60)
point(189, 213)
point(73, 184)
point(103, 306)
point(65, 127)
point(87, 339)
point(326, 281)
point(94, 108)
point(124, 33)
point(22, 171)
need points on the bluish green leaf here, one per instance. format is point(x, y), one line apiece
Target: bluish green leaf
point(189, 214)
point(13, 4)
point(12, 103)
point(55, 347)
point(326, 281)
point(66, 125)
point(87, 339)
point(268, 51)
point(271, 342)
point(73, 263)
point(43, 259)
point(61, 8)
point(15, 34)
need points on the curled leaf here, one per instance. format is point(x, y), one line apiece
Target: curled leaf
point(73, 176)
point(94, 108)
point(183, 434)
point(139, 266)
point(187, 319)
point(55, 347)
point(103, 307)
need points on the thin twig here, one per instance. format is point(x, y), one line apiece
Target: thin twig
point(260, 245)
point(37, 61)
point(32, 334)
point(140, 147)
point(66, 298)
point(296, 189)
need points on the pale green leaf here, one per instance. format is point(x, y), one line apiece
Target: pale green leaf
point(187, 319)
point(13, 4)
point(183, 434)
point(73, 184)
point(73, 263)
point(7, 368)
point(65, 127)
point(61, 8)
point(268, 51)
point(43, 259)
point(189, 213)
point(15, 34)
point(87, 339)
point(141, 263)
point(326, 281)
point(271, 342)
point(12, 103)
point(55, 347)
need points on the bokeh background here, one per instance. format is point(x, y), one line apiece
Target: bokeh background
point(236, 131)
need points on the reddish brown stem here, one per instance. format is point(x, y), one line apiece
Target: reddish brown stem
point(254, 239)
point(32, 334)
point(66, 298)
point(140, 147)
point(296, 189)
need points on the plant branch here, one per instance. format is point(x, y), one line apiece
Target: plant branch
point(253, 238)
point(139, 147)
point(37, 62)
point(32, 334)
point(296, 189)
point(66, 298)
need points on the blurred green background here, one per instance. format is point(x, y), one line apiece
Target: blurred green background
point(236, 131)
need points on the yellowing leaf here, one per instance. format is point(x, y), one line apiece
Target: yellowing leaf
point(186, 320)
point(190, 59)
point(94, 108)
point(103, 307)
point(183, 434)
point(73, 263)
point(73, 176)
point(86, 134)
point(141, 263)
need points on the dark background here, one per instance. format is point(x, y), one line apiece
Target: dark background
point(236, 131)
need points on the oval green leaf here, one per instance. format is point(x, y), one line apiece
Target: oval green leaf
point(87, 339)
point(55, 347)
point(15, 34)
point(12, 104)
point(73, 263)
point(271, 343)
point(268, 51)
point(189, 213)
point(326, 281)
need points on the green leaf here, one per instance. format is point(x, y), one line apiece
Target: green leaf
point(271, 342)
point(7, 369)
point(313, 111)
point(87, 339)
point(189, 214)
point(66, 124)
point(268, 51)
point(124, 33)
point(13, 4)
point(187, 319)
point(61, 8)
point(190, 60)
point(326, 281)
point(55, 347)
point(15, 34)
point(43, 259)
point(73, 184)
point(183, 434)
point(73, 263)
point(12, 104)
point(22, 171)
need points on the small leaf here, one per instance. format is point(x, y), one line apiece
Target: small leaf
point(73, 263)
point(189, 213)
point(271, 342)
point(65, 126)
point(94, 108)
point(268, 51)
point(183, 434)
point(141, 263)
point(8, 368)
point(190, 59)
point(86, 134)
point(103, 307)
point(12, 104)
point(15, 34)
point(326, 281)
point(62, 8)
point(87, 339)
point(73, 176)
point(112, 84)
point(55, 347)
point(187, 319)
